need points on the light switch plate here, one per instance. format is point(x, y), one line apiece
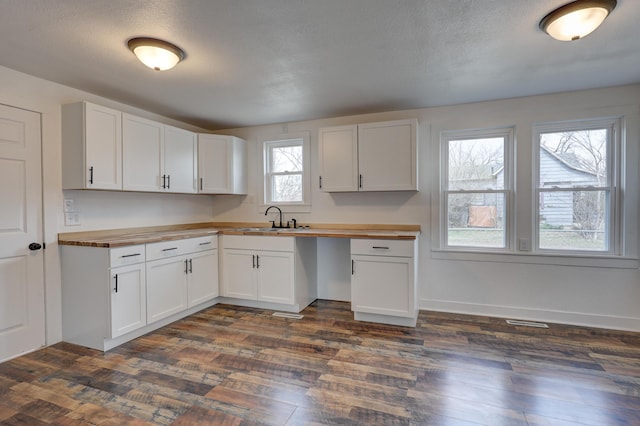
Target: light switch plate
point(68, 206)
point(72, 219)
point(524, 244)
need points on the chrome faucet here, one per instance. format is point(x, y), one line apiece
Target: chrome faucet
point(273, 221)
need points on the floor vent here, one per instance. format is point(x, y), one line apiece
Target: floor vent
point(527, 323)
point(288, 315)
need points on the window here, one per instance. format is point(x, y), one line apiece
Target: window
point(476, 189)
point(286, 168)
point(575, 186)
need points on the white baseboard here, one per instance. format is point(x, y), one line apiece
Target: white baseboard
point(543, 315)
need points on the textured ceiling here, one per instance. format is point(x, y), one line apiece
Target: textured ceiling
point(253, 62)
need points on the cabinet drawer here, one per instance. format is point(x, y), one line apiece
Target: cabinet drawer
point(194, 245)
point(382, 247)
point(166, 249)
point(126, 255)
point(258, 242)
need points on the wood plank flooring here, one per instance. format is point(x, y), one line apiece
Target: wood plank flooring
point(239, 366)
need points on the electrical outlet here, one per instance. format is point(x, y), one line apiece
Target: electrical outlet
point(524, 244)
point(72, 219)
point(68, 206)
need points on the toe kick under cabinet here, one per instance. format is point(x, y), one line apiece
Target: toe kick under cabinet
point(112, 295)
point(383, 281)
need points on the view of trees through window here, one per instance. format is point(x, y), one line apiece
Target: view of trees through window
point(285, 168)
point(574, 190)
point(475, 192)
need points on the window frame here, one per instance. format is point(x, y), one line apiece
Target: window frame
point(508, 190)
point(266, 143)
point(612, 188)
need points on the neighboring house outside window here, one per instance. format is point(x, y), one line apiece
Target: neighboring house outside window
point(476, 191)
point(576, 181)
point(286, 169)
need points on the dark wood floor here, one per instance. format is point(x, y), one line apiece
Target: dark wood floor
point(239, 366)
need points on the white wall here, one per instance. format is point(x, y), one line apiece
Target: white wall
point(98, 210)
point(603, 292)
point(605, 295)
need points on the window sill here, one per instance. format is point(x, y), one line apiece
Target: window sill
point(594, 261)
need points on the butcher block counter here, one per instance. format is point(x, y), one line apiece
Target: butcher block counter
point(122, 283)
point(132, 236)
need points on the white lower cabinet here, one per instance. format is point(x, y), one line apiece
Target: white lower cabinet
point(166, 287)
point(259, 275)
point(202, 283)
point(110, 296)
point(276, 282)
point(383, 281)
point(180, 275)
point(240, 275)
point(128, 299)
point(274, 272)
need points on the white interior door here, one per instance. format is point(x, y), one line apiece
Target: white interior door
point(22, 327)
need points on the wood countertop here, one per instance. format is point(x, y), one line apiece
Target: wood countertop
point(134, 236)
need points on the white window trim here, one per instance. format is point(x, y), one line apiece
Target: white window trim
point(614, 124)
point(508, 191)
point(629, 196)
point(297, 207)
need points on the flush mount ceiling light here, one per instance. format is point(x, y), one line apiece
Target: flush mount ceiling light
point(157, 54)
point(576, 19)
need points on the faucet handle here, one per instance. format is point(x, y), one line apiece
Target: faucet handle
point(273, 223)
point(295, 223)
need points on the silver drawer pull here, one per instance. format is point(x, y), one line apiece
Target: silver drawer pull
point(130, 255)
point(169, 249)
point(204, 244)
point(380, 247)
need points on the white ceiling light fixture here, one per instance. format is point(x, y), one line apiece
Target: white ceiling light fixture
point(157, 54)
point(576, 19)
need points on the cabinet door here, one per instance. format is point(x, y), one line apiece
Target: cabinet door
point(128, 299)
point(215, 166)
point(383, 285)
point(179, 160)
point(338, 158)
point(142, 154)
point(275, 277)
point(166, 287)
point(203, 277)
point(387, 156)
point(103, 147)
point(239, 274)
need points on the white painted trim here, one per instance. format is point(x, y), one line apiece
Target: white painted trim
point(562, 259)
point(531, 314)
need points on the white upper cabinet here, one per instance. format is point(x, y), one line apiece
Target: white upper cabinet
point(338, 152)
point(369, 157)
point(222, 164)
point(142, 142)
point(103, 148)
point(91, 147)
point(156, 157)
point(180, 160)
